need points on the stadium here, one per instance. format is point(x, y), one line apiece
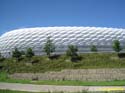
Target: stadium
point(83, 37)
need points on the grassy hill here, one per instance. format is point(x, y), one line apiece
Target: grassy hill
point(43, 63)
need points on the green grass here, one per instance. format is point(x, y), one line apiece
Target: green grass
point(10, 91)
point(69, 83)
point(82, 83)
point(92, 60)
point(4, 78)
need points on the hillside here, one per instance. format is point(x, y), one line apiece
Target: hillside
point(43, 63)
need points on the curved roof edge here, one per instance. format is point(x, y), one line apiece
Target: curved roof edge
point(67, 27)
point(63, 27)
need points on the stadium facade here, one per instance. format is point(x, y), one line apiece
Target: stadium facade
point(83, 37)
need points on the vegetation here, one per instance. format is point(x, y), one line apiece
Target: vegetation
point(42, 64)
point(49, 47)
point(23, 53)
point(93, 48)
point(16, 54)
point(12, 91)
point(68, 83)
point(68, 61)
point(1, 57)
point(72, 52)
point(82, 83)
point(116, 46)
point(4, 78)
point(29, 53)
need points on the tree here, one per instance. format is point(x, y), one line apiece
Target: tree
point(1, 57)
point(17, 54)
point(93, 48)
point(29, 53)
point(116, 46)
point(72, 52)
point(49, 47)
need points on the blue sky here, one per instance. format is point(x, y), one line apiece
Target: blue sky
point(35, 13)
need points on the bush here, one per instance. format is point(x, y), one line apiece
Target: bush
point(121, 55)
point(16, 54)
point(29, 53)
point(93, 48)
point(55, 56)
point(72, 52)
point(116, 46)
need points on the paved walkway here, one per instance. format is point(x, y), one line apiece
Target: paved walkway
point(55, 88)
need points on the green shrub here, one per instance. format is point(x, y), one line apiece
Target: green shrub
point(29, 53)
point(16, 54)
point(116, 46)
point(94, 48)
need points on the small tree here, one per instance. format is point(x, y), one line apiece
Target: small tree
point(116, 46)
point(1, 57)
point(29, 53)
point(93, 48)
point(72, 52)
point(49, 47)
point(16, 54)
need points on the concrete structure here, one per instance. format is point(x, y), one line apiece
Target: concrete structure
point(75, 74)
point(83, 37)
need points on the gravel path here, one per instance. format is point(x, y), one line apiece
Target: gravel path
point(55, 88)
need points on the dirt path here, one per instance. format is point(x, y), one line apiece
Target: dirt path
point(55, 88)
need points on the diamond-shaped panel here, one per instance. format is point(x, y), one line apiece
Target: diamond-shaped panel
point(61, 36)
